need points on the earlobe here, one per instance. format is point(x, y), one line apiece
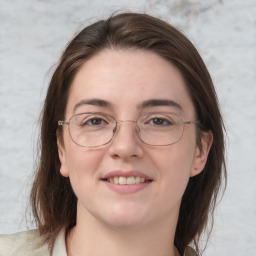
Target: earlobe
point(201, 153)
point(62, 157)
point(64, 171)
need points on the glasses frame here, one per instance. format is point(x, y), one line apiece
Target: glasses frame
point(62, 123)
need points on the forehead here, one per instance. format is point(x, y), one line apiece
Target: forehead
point(126, 78)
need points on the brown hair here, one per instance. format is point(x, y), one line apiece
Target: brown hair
point(52, 198)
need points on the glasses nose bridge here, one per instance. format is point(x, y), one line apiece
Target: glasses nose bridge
point(128, 121)
point(124, 121)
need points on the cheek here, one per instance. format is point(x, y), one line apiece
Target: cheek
point(174, 166)
point(83, 166)
point(83, 161)
point(80, 160)
point(175, 158)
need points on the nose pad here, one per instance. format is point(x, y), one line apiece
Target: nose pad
point(137, 128)
point(114, 130)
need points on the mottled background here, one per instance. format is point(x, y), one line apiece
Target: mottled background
point(33, 34)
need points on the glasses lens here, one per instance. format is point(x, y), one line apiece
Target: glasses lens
point(160, 129)
point(91, 129)
point(97, 129)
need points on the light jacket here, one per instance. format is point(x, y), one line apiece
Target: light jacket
point(30, 243)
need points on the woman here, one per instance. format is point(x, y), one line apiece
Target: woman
point(132, 147)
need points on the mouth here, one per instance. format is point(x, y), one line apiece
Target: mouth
point(130, 180)
point(126, 182)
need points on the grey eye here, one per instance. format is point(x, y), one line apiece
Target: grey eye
point(158, 121)
point(95, 122)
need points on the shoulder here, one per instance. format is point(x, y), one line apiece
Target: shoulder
point(27, 243)
point(190, 252)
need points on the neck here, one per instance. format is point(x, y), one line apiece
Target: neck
point(95, 238)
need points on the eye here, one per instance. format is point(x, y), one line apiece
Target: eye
point(95, 121)
point(160, 121)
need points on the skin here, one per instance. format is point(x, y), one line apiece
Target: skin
point(141, 223)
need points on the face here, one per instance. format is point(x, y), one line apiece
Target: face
point(121, 81)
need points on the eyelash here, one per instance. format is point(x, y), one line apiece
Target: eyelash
point(90, 120)
point(163, 120)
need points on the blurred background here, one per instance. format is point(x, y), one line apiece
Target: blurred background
point(33, 34)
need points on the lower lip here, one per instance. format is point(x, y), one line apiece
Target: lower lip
point(127, 189)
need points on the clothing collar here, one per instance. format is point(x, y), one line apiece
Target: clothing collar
point(59, 248)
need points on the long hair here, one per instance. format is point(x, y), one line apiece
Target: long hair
point(52, 198)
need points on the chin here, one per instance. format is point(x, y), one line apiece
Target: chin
point(125, 217)
point(124, 223)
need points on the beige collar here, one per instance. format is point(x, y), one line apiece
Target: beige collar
point(59, 248)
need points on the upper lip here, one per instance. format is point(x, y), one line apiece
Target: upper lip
point(122, 173)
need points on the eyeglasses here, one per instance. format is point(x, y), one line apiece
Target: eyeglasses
point(94, 129)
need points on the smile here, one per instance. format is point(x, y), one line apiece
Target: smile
point(127, 180)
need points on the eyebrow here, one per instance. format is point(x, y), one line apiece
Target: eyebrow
point(145, 104)
point(160, 102)
point(93, 102)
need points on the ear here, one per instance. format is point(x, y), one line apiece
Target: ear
point(201, 153)
point(62, 157)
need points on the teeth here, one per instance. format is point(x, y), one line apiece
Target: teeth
point(130, 180)
point(116, 180)
point(126, 181)
point(137, 180)
point(122, 180)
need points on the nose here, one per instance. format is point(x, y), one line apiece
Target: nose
point(126, 143)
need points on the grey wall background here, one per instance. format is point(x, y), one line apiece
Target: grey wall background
point(33, 34)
